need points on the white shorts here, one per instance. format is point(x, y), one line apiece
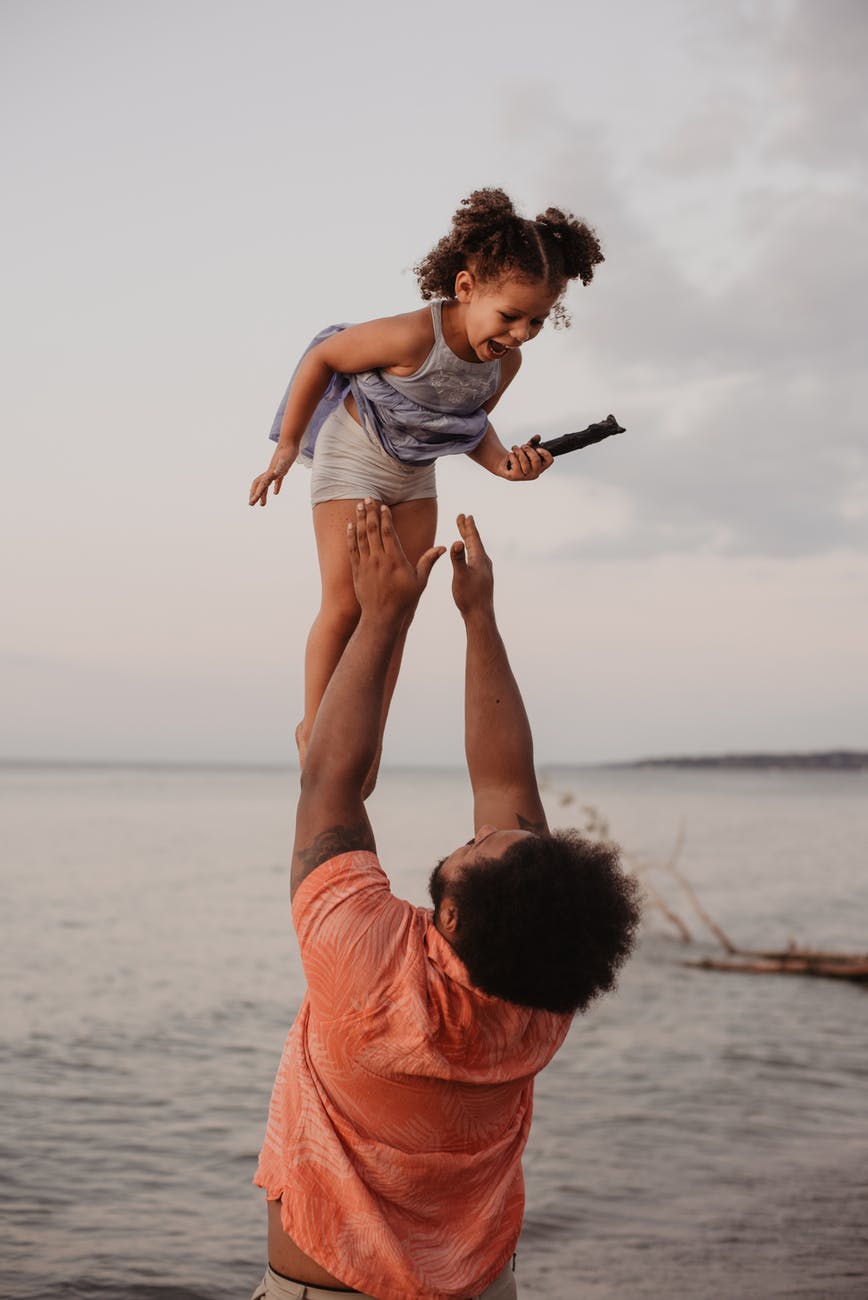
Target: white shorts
point(348, 466)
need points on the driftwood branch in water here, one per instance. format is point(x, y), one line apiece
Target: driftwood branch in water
point(722, 938)
point(792, 960)
point(840, 966)
point(670, 866)
point(673, 918)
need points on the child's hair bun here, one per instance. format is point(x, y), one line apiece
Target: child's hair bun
point(483, 210)
point(577, 243)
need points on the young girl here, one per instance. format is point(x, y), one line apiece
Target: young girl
point(372, 406)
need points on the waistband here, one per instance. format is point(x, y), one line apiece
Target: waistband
point(284, 1288)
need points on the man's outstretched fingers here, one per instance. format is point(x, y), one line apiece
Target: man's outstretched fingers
point(387, 529)
point(470, 533)
point(427, 562)
point(373, 524)
point(361, 527)
point(353, 546)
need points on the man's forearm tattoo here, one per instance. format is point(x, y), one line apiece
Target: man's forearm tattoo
point(334, 840)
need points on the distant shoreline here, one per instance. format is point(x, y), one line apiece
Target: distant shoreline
point(833, 760)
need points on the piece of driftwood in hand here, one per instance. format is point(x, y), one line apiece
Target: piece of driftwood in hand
point(584, 438)
point(575, 441)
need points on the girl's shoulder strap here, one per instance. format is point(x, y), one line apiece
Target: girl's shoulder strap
point(436, 310)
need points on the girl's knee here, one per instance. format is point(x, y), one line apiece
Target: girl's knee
point(340, 613)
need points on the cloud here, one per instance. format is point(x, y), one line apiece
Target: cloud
point(743, 391)
point(791, 72)
point(819, 54)
point(709, 140)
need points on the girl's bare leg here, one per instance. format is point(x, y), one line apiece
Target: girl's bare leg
point(415, 523)
point(338, 612)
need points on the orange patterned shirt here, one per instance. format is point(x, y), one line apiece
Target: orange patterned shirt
point(403, 1099)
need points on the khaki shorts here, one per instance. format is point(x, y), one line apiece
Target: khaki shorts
point(275, 1287)
point(347, 466)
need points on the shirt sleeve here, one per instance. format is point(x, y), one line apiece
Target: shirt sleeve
point(352, 933)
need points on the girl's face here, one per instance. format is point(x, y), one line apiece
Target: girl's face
point(501, 315)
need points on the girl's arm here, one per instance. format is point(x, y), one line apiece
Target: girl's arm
point(395, 341)
point(520, 464)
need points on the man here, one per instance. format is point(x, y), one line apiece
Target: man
point(392, 1159)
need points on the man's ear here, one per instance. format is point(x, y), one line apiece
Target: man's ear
point(447, 916)
point(465, 283)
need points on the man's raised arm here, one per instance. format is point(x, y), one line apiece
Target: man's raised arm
point(331, 816)
point(498, 740)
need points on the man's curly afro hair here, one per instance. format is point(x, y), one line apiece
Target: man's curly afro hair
point(548, 924)
point(489, 238)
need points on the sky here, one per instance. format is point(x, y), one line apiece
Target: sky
point(194, 189)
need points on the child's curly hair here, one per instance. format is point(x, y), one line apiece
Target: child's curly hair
point(489, 238)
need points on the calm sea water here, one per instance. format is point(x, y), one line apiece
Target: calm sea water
point(700, 1135)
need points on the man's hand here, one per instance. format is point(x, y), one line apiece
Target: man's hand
point(281, 463)
point(387, 585)
point(472, 573)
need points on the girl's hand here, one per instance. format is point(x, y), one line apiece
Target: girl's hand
point(281, 463)
point(526, 462)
